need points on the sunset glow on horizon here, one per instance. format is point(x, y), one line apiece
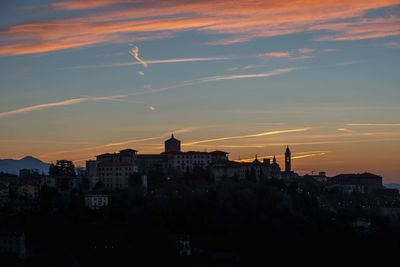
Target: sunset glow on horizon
point(81, 78)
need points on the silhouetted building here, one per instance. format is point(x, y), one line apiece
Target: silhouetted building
point(64, 173)
point(96, 201)
point(275, 169)
point(219, 156)
point(366, 182)
point(172, 145)
point(288, 160)
point(27, 173)
point(187, 161)
point(113, 169)
point(151, 162)
point(255, 170)
point(224, 170)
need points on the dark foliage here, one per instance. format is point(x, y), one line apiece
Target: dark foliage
point(234, 223)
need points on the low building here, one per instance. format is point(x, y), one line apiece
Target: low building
point(96, 201)
point(151, 162)
point(219, 156)
point(24, 173)
point(366, 182)
point(187, 161)
point(223, 170)
point(113, 169)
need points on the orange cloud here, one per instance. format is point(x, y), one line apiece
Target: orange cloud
point(129, 21)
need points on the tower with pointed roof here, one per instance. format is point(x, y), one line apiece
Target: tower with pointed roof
point(288, 160)
point(172, 145)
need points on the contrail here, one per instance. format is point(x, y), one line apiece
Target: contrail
point(155, 61)
point(374, 124)
point(66, 102)
point(299, 155)
point(248, 136)
point(247, 76)
point(135, 53)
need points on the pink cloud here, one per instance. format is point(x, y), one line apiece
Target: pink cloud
point(276, 54)
point(139, 20)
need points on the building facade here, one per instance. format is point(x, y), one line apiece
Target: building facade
point(96, 201)
point(113, 169)
point(366, 182)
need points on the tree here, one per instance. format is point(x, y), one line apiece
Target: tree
point(64, 168)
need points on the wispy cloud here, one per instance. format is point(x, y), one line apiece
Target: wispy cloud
point(301, 53)
point(135, 53)
point(154, 61)
point(309, 155)
point(114, 145)
point(143, 20)
point(298, 155)
point(306, 50)
point(248, 136)
point(66, 102)
point(328, 50)
point(375, 124)
point(126, 142)
point(345, 130)
point(86, 4)
point(276, 54)
point(247, 67)
point(248, 76)
point(392, 44)
point(360, 29)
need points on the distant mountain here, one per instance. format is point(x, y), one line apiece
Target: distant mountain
point(14, 165)
point(393, 186)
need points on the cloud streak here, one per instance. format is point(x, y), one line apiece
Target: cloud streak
point(138, 20)
point(248, 76)
point(375, 124)
point(247, 136)
point(67, 102)
point(298, 155)
point(135, 53)
point(155, 61)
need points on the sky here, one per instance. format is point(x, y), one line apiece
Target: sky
point(80, 78)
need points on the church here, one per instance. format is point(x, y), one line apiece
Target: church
point(114, 169)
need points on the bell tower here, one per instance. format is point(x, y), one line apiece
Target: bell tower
point(288, 160)
point(172, 145)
